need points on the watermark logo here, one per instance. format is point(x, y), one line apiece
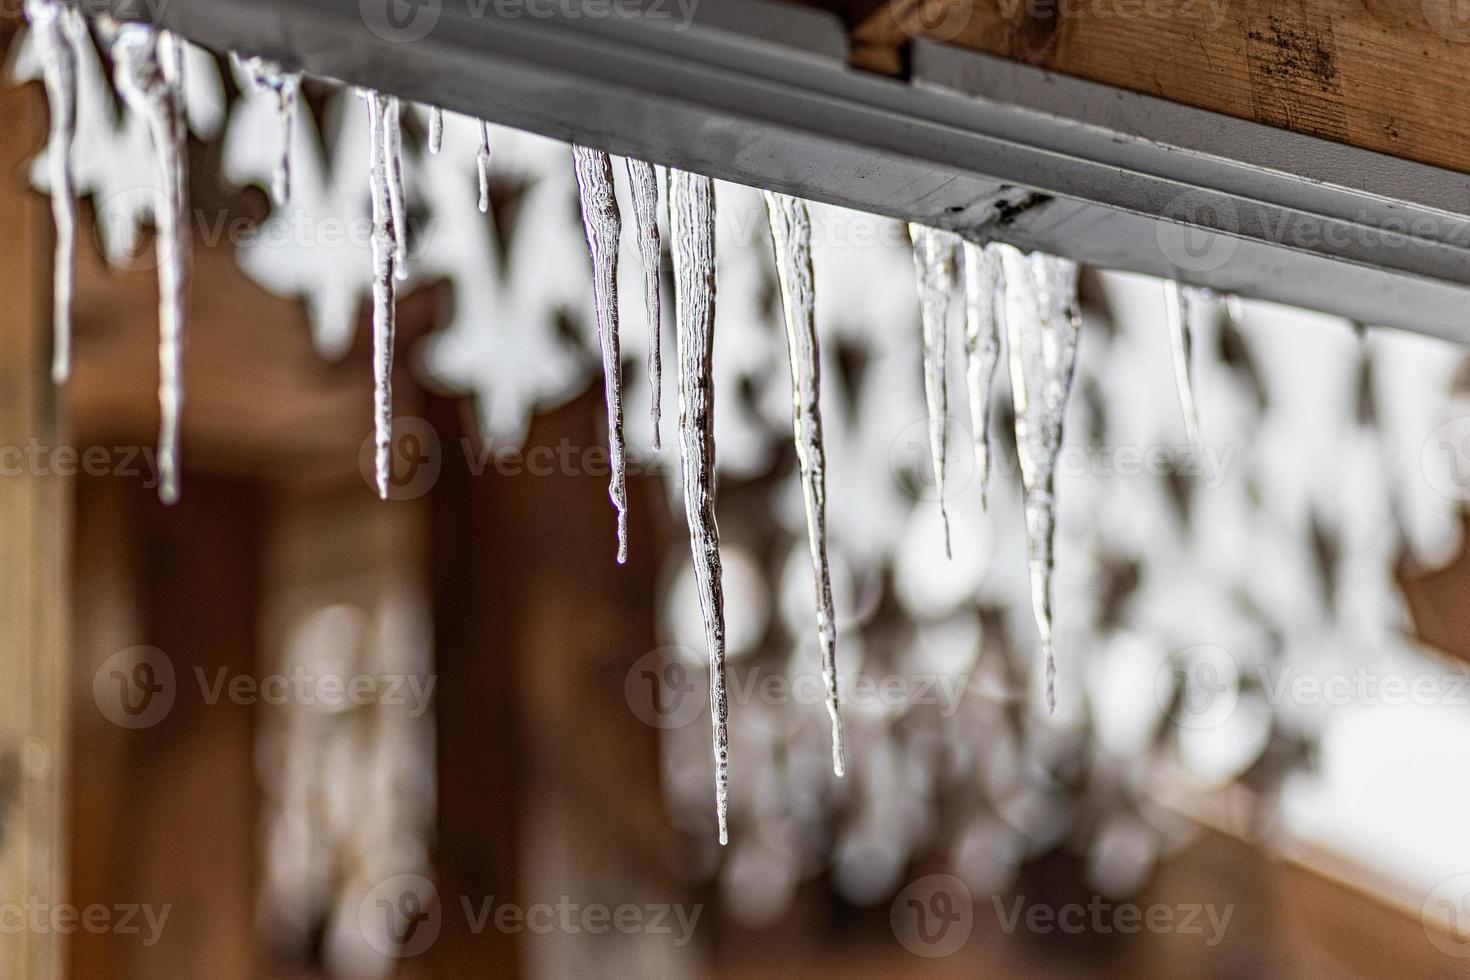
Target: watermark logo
point(135, 688)
point(1450, 19)
point(1199, 686)
point(123, 919)
point(400, 21)
point(1195, 232)
point(415, 459)
point(933, 917)
point(911, 459)
point(663, 691)
point(1445, 916)
point(1102, 917)
point(401, 916)
point(1445, 458)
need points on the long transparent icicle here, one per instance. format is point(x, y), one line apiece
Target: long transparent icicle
point(645, 213)
point(394, 130)
point(436, 129)
point(604, 226)
point(791, 235)
point(56, 30)
point(148, 67)
point(380, 180)
point(1042, 326)
point(982, 348)
point(482, 164)
point(692, 239)
point(270, 78)
point(1176, 308)
point(934, 266)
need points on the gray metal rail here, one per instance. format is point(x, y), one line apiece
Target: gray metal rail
point(760, 93)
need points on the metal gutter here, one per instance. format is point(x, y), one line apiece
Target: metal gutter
point(761, 93)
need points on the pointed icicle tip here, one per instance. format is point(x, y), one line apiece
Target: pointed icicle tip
point(934, 266)
point(692, 240)
point(1176, 311)
point(791, 238)
point(603, 224)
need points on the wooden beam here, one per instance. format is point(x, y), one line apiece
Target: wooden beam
point(33, 537)
point(1384, 75)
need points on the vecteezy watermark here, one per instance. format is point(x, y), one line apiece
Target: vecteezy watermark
point(1445, 916)
point(947, 21)
point(911, 465)
point(135, 688)
point(665, 690)
point(36, 458)
point(406, 21)
point(119, 217)
point(1099, 916)
point(1196, 233)
point(402, 916)
point(139, 10)
point(1200, 686)
point(933, 917)
point(138, 687)
point(1449, 19)
point(416, 459)
point(1199, 231)
point(1444, 458)
point(123, 919)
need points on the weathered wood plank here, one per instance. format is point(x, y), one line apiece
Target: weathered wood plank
point(33, 596)
point(1385, 75)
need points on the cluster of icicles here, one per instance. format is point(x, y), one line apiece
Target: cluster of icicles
point(1032, 298)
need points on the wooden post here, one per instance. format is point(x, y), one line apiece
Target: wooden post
point(33, 594)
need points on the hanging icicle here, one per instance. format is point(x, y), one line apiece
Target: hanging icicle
point(1176, 308)
point(983, 294)
point(645, 213)
point(148, 66)
point(482, 163)
point(394, 131)
point(385, 250)
point(934, 265)
point(436, 129)
point(269, 77)
point(692, 240)
point(791, 235)
point(1042, 325)
point(57, 31)
point(604, 227)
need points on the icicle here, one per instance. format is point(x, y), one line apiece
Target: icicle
point(604, 227)
point(1176, 306)
point(1041, 332)
point(394, 132)
point(57, 29)
point(934, 264)
point(384, 255)
point(692, 237)
point(791, 234)
point(149, 72)
point(982, 347)
point(645, 213)
point(1234, 311)
point(269, 77)
point(436, 129)
point(482, 160)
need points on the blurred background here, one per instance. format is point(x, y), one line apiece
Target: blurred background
point(312, 734)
